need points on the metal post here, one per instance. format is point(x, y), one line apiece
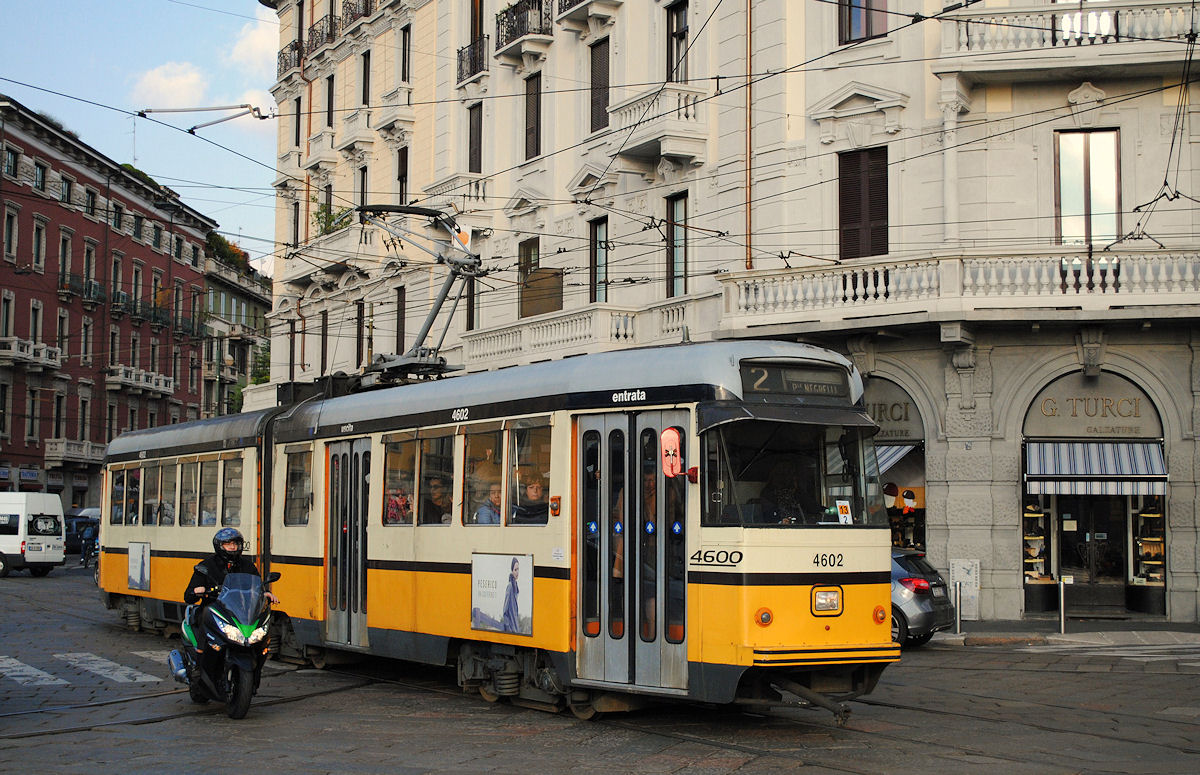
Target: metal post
point(958, 608)
point(1062, 607)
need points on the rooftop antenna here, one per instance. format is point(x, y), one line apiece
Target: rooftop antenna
point(421, 360)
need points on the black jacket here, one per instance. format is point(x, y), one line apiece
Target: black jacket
point(216, 572)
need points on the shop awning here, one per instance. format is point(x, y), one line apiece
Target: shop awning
point(891, 454)
point(1095, 468)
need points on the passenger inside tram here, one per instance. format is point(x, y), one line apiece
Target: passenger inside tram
point(531, 507)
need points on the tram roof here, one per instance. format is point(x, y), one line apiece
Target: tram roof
point(229, 431)
point(713, 366)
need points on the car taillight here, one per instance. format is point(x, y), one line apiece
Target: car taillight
point(22, 548)
point(918, 586)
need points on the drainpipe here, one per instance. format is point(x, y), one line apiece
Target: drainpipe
point(749, 128)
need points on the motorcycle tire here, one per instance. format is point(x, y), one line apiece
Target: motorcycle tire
point(239, 690)
point(197, 694)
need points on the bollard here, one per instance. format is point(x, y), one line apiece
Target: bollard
point(1062, 607)
point(958, 608)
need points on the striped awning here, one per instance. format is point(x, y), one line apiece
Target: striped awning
point(891, 454)
point(1095, 468)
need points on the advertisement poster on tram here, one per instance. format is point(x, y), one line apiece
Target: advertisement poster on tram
point(139, 566)
point(502, 593)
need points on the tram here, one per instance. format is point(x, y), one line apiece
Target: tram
point(699, 522)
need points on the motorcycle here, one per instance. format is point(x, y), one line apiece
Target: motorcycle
point(89, 551)
point(224, 643)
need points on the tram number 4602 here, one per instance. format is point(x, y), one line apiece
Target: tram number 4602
point(715, 557)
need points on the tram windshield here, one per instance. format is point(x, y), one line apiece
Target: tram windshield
point(772, 474)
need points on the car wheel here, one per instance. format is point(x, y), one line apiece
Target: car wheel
point(919, 640)
point(3, 567)
point(899, 626)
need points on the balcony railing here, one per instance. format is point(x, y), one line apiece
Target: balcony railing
point(15, 350)
point(289, 57)
point(93, 292)
point(324, 31)
point(525, 17)
point(353, 10)
point(70, 285)
point(63, 450)
point(668, 120)
point(472, 59)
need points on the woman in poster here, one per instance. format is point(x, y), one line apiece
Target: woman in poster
point(511, 619)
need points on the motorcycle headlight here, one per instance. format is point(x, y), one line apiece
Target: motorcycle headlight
point(259, 633)
point(231, 632)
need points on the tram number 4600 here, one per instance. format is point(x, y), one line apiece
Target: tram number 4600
point(715, 557)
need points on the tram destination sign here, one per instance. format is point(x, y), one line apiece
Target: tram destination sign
point(771, 379)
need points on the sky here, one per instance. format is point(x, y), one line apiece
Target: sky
point(130, 55)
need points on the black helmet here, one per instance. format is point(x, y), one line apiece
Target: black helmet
point(224, 536)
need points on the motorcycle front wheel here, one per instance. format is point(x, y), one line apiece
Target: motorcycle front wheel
point(239, 690)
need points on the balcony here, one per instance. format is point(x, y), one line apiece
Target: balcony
point(394, 117)
point(1057, 285)
point(59, 451)
point(666, 121)
point(120, 377)
point(356, 134)
point(242, 331)
point(321, 153)
point(594, 328)
point(14, 350)
point(44, 356)
point(289, 59)
point(160, 317)
point(1092, 39)
point(466, 191)
point(253, 283)
point(524, 31)
point(581, 15)
point(353, 10)
point(349, 240)
point(93, 294)
point(324, 32)
point(119, 306)
point(472, 60)
point(70, 285)
point(185, 326)
point(139, 310)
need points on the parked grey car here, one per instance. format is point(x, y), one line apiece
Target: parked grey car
point(921, 602)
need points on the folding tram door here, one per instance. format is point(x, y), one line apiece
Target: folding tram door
point(632, 551)
point(349, 466)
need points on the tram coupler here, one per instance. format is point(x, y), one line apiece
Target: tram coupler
point(840, 710)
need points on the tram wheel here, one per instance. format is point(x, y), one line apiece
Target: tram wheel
point(317, 658)
point(584, 711)
point(488, 692)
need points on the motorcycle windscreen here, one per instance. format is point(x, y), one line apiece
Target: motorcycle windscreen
point(241, 596)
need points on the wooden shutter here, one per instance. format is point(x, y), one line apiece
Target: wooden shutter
point(863, 203)
point(475, 151)
point(600, 85)
point(533, 115)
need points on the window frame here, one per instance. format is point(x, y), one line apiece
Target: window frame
point(1089, 214)
point(677, 237)
point(871, 14)
point(863, 203)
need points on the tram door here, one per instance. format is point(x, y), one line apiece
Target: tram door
point(632, 552)
point(346, 558)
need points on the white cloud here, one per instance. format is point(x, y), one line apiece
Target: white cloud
point(256, 46)
point(171, 85)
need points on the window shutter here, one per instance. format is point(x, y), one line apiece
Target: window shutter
point(533, 119)
point(877, 200)
point(475, 151)
point(600, 85)
point(863, 203)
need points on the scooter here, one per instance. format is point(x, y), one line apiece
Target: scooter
point(224, 643)
point(88, 551)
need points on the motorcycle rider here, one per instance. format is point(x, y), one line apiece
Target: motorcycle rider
point(227, 558)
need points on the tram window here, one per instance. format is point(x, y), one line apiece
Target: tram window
point(208, 492)
point(116, 498)
point(589, 483)
point(530, 463)
point(187, 494)
point(150, 505)
point(133, 495)
point(616, 535)
point(231, 494)
point(400, 481)
point(298, 488)
point(648, 505)
point(482, 486)
point(437, 477)
point(167, 496)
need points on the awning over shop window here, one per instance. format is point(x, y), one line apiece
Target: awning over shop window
point(891, 454)
point(1095, 468)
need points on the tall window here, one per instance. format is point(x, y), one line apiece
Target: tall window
point(401, 312)
point(527, 264)
point(598, 260)
point(402, 175)
point(677, 42)
point(360, 322)
point(39, 245)
point(366, 78)
point(329, 101)
point(63, 333)
point(677, 245)
point(406, 53)
point(1088, 196)
point(599, 90)
point(362, 186)
point(31, 414)
point(533, 116)
point(475, 138)
point(863, 203)
point(85, 418)
point(471, 293)
point(10, 235)
point(39, 176)
point(296, 112)
point(295, 224)
point(118, 216)
point(11, 156)
point(324, 341)
point(861, 19)
point(66, 191)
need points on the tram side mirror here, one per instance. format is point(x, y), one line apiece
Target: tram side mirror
point(273, 576)
point(672, 455)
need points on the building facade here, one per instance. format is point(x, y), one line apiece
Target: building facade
point(101, 287)
point(989, 208)
point(237, 300)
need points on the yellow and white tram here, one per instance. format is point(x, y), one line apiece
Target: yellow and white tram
point(701, 522)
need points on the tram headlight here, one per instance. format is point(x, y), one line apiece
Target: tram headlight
point(826, 601)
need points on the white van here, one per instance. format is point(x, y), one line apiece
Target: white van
point(32, 532)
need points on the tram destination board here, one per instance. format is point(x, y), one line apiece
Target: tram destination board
point(772, 379)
